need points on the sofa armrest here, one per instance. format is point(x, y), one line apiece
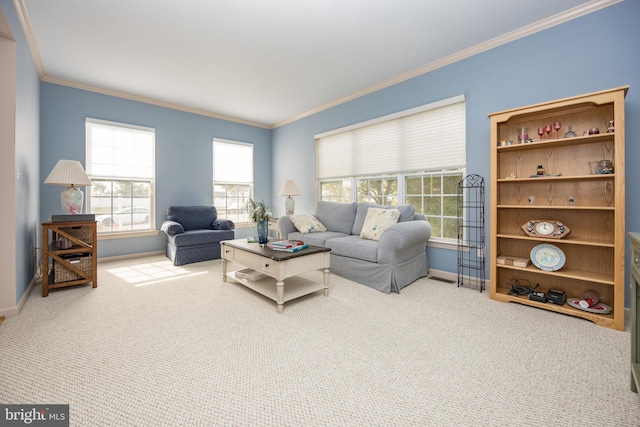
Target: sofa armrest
point(403, 240)
point(285, 226)
point(172, 228)
point(223, 224)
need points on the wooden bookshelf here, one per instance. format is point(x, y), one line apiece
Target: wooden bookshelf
point(591, 205)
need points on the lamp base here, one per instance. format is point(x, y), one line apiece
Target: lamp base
point(289, 205)
point(72, 199)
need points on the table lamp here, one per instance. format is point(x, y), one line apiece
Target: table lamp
point(69, 173)
point(289, 188)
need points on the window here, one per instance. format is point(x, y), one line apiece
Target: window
point(120, 162)
point(379, 190)
point(232, 179)
point(435, 195)
point(336, 191)
point(416, 156)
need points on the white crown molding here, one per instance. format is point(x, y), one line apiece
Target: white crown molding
point(35, 53)
point(21, 10)
point(544, 24)
point(541, 25)
point(152, 101)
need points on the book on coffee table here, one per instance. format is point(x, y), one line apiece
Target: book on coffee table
point(291, 249)
point(285, 244)
point(249, 274)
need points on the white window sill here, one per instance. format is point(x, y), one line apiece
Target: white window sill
point(129, 234)
point(442, 245)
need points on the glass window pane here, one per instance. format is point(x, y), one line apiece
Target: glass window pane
point(436, 225)
point(414, 185)
point(433, 206)
point(417, 202)
point(450, 205)
point(450, 184)
point(432, 184)
point(450, 228)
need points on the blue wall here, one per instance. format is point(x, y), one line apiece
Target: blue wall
point(594, 52)
point(591, 53)
point(27, 147)
point(183, 152)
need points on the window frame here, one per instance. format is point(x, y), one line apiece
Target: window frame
point(456, 165)
point(222, 213)
point(132, 180)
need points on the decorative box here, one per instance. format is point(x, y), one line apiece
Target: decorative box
point(512, 260)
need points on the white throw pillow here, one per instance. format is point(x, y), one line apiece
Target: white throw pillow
point(377, 220)
point(307, 224)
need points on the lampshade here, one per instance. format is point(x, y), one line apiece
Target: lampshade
point(289, 188)
point(69, 173)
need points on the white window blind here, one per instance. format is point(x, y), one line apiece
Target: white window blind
point(232, 162)
point(116, 150)
point(431, 137)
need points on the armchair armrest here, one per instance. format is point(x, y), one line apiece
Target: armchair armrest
point(172, 228)
point(403, 240)
point(285, 226)
point(223, 224)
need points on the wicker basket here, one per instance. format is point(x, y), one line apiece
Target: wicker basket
point(63, 274)
point(84, 234)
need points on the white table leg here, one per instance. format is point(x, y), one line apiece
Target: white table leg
point(326, 282)
point(224, 270)
point(280, 290)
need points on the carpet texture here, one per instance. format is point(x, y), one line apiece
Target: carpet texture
point(157, 344)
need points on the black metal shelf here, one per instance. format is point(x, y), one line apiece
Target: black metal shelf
point(471, 238)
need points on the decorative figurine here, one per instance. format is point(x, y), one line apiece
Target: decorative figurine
point(610, 128)
point(570, 133)
point(540, 170)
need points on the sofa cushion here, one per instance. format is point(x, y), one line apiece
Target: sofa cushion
point(315, 239)
point(193, 217)
point(407, 213)
point(337, 216)
point(377, 221)
point(307, 224)
point(354, 247)
point(201, 237)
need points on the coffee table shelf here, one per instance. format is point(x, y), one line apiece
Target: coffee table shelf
point(296, 287)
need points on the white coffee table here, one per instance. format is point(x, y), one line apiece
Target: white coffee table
point(282, 269)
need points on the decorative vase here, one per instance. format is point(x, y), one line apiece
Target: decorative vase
point(72, 199)
point(263, 232)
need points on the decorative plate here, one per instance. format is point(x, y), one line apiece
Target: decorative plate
point(548, 257)
point(545, 228)
point(598, 308)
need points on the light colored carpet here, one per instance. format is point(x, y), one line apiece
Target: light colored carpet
point(156, 344)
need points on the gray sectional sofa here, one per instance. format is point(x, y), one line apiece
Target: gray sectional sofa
point(388, 265)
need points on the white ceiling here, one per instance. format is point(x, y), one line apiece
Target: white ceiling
point(268, 62)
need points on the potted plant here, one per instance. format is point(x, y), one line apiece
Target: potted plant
point(260, 214)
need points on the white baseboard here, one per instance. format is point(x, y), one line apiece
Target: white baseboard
point(121, 257)
point(453, 277)
point(12, 311)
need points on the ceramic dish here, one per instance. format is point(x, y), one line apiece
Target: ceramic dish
point(598, 308)
point(548, 257)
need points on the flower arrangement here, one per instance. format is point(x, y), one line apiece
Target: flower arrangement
point(258, 211)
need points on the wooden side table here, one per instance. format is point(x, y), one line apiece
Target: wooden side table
point(71, 246)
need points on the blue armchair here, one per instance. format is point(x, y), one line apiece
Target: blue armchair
point(194, 233)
